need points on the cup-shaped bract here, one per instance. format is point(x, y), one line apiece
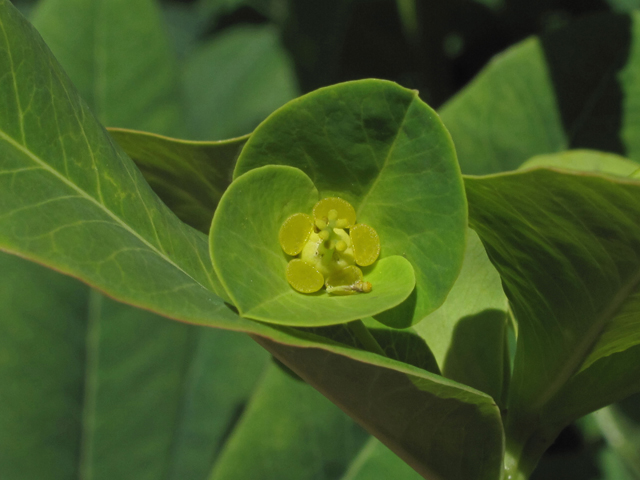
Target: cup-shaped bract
point(253, 268)
point(380, 148)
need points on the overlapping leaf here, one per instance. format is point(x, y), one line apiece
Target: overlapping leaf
point(189, 177)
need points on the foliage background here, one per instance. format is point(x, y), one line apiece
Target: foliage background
point(159, 399)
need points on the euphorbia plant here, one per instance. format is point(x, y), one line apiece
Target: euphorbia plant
point(566, 246)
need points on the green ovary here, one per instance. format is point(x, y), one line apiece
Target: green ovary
point(327, 250)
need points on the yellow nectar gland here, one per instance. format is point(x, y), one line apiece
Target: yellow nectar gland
point(328, 254)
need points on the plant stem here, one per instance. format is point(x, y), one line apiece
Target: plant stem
point(363, 334)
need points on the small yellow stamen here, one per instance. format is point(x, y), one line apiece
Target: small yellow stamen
point(342, 223)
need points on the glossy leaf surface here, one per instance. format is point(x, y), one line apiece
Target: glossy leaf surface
point(379, 147)
point(189, 177)
point(248, 257)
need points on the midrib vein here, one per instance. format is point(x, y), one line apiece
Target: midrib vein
point(386, 159)
point(583, 349)
point(101, 206)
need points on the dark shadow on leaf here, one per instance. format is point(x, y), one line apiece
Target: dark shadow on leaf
point(584, 61)
point(401, 315)
point(468, 359)
point(403, 345)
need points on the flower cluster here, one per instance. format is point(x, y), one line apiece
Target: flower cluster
point(327, 247)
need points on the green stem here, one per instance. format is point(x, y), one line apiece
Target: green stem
point(526, 441)
point(363, 334)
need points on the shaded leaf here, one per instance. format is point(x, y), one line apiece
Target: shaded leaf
point(379, 147)
point(227, 97)
point(573, 88)
point(567, 247)
point(189, 177)
point(121, 65)
point(249, 260)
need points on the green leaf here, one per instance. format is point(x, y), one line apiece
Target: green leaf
point(378, 146)
point(461, 437)
point(227, 97)
point(568, 89)
point(567, 247)
point(65, 183)
point(189, 177)
point(103, 390)
point(289, 432)
point(250, 262)
point(121, 64)
point(587, 161)
point(476, 308)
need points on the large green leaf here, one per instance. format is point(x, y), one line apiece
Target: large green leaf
point(575, 87)
point(567, 247)
point(65, 183)
point(248, 257)
point(97, 389)
point(118, 56)
point(235, 80)
point(190, 177)
point(71, 199)
point(378, 146)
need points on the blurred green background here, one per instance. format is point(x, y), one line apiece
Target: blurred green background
point(211, 404)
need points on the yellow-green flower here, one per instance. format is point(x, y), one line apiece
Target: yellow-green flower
point(327, 247)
